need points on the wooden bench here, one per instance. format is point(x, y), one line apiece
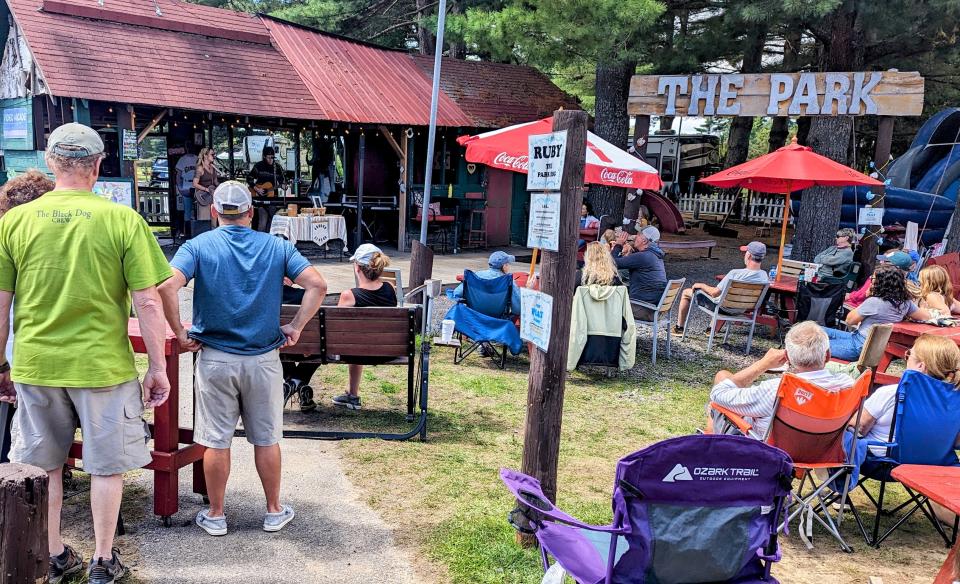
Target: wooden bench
point(348, 335)
point(707, 244)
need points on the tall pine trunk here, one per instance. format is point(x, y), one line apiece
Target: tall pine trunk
point(738, 144)
point(829, 136)
point(780, 128)
point(425, 37)
point(611, 123)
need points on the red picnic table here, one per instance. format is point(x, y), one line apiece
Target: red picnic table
point(168, 456)
point(905, 334)
point(940, 484)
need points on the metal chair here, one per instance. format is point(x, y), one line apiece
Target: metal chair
point(662, 313)
point(740, 302)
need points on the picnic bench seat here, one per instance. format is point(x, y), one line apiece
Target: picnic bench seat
point(707, 244)
point(357, 335)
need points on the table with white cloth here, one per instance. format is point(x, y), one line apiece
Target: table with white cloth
point(320, 229)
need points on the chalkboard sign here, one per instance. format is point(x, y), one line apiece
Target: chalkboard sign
point(130, 145)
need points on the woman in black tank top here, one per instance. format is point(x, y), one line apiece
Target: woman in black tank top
point(368, 264)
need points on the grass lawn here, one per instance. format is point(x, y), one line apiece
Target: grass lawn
point(446, 502)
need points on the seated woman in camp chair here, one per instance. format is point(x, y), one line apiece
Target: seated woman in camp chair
point(935, 356)
point(368, 264)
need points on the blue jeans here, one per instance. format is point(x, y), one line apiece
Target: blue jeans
point(187, 207)
point(845, 345)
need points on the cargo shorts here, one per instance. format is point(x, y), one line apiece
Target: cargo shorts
point(110, 419)
point(232, 387)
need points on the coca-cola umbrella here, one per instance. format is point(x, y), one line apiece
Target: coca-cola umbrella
point(788, 169)
point(506, 149)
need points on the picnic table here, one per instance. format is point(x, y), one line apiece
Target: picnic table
point(940, 484)
point(168, 456)
point(905, 334)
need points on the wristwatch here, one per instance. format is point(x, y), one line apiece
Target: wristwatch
point(4, 367)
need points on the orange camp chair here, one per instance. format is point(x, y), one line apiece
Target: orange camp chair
point(809, 424)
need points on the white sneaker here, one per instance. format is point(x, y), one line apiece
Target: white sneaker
point(277, 521)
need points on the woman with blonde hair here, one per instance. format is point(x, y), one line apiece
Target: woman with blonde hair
point(598, 267)
point(205, 181)
point(368, 265)
point(936, 356)
point(936, 291)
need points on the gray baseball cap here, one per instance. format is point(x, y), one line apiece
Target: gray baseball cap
point(74, 141)
point(756, 248)
point(232, 198)
point(651, 233)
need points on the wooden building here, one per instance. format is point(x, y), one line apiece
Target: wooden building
point(156, 77)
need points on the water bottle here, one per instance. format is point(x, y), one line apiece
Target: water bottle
point(773, 272)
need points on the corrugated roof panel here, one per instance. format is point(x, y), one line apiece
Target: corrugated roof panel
point(496, 95)
point(111, 61)
point(356, 82)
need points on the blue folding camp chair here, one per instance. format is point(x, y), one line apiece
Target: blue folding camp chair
point(925, 427)
point(702, 508)
point(483, 316)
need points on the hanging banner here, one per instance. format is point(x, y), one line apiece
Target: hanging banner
point(536, 317)
point(17, 125)
point(879, 93)
point(130, 145)
point(543, 230)
point(545, 156)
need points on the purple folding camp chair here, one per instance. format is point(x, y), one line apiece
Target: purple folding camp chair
point(701, 508)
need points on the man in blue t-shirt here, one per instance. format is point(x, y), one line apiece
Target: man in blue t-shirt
point(238, 280)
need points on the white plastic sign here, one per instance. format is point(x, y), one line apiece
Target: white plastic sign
point(545, 161)
point(536, 317)
point(871, 216)
point(543, 229)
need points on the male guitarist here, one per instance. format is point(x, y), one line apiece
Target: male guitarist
point(266, 177)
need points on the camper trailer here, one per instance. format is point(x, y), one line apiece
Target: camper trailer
point(683, 159)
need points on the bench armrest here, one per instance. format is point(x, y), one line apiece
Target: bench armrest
point(735, 418)
point(643, 304)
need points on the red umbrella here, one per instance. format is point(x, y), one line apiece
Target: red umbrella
point(606, 164)
point(788, 169)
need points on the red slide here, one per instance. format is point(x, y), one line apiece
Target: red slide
point(665, 211)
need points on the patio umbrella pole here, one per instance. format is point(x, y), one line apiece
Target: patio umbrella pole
point(783, 230)
point(432, 135)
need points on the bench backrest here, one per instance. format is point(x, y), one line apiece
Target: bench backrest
point(357, 332)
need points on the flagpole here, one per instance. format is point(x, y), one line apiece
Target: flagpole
point(432, 135)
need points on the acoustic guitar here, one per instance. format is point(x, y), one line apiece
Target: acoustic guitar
point(267, 187)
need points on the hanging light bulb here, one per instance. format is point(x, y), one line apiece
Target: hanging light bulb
point(110, 109)
point(870, 195)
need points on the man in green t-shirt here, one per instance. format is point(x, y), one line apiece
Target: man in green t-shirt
point(71, 259)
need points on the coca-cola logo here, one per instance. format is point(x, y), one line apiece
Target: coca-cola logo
point(621, 177)
point(514, 162)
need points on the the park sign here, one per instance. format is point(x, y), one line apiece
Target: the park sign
point(880, 93)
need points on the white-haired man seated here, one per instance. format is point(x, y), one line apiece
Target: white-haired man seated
point(807, 354)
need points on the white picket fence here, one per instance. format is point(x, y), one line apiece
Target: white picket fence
point(762, 207)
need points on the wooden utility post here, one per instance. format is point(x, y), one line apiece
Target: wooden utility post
point(548, 370)
point(881, 156)
point(23, 523)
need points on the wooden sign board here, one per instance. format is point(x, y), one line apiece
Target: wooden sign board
point(880, 93)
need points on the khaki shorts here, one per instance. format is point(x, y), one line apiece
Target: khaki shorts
point(111, 422)
point(231, 387)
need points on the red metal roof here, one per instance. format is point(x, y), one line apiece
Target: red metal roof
point(496, 95)
point(357, 82)
point(176, 54)
point(118, 62)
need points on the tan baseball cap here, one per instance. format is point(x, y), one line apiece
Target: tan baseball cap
point(74, 141)
point(232, 198)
